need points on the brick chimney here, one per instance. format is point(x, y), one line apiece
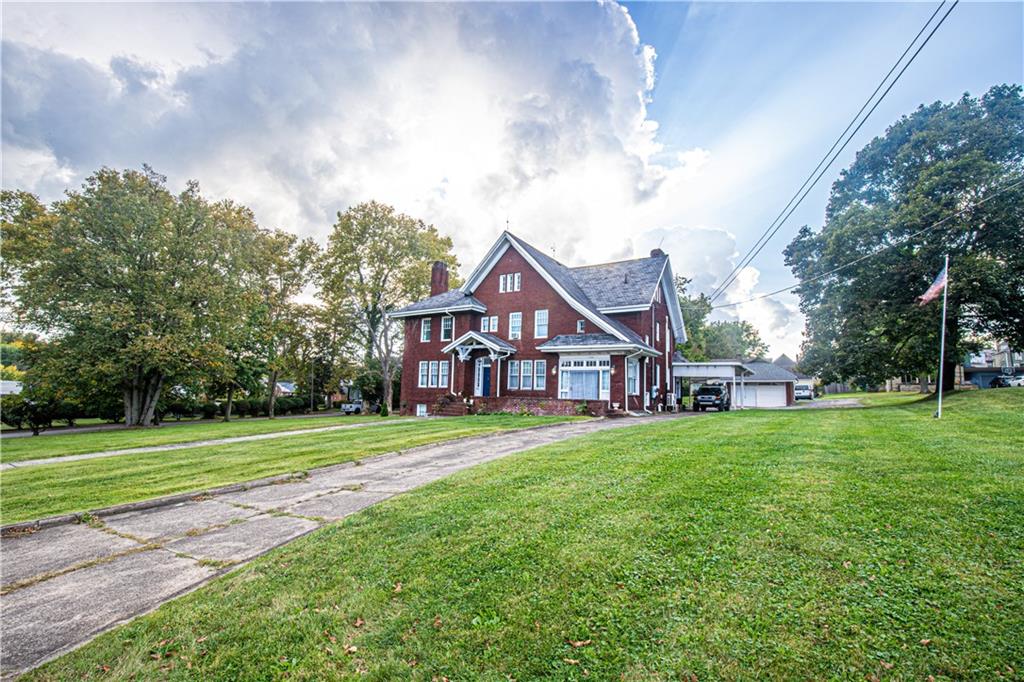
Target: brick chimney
point(657, 252)
point(438, 278)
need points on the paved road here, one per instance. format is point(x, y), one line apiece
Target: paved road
point(64, 585)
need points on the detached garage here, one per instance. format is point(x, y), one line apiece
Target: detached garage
point(768, 385)
point(751, 384)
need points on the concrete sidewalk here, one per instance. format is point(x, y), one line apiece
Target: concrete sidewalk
point(66, 584)
point(197, 443)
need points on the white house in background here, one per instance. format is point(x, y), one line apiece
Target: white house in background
point(9, 387)
point(752, 383)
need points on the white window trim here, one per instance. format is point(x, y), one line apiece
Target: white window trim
point(424, 374)
point(536, 324)
point(540, 375)
point(513, 365)
point(513, 334)
point(443, 374)
point(525, 374)
point(517, 281)
point(635, 379)
point(421, 410)
point(485, 324)
point(425, 330)
point(581, 326)
point(494, 324)
point(603, 372)
point(432, 379)
point(451, 327)
point(501, 284)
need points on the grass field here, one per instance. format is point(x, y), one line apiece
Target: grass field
point(878, 399)
point(813, 544)
point(50, 489)
point(41, 447)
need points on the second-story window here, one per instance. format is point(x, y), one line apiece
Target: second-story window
point(540, 324)
point(425, 329)
point(581, 325)
point(447, 325)
point(515, 325)
point(485, 324)
point(510, 282)
point(494, 324)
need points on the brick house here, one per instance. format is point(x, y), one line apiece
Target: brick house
point(526, 332)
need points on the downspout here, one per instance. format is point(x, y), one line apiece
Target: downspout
point(646, 397)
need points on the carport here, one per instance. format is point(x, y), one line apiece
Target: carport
point(731, 372)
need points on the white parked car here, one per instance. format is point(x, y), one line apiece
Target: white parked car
point(803, 392)
point(1017, 380)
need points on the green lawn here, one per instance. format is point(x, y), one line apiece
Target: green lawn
point(877, 399)
point(50, 489)
point(813, 544)
point(39, 447)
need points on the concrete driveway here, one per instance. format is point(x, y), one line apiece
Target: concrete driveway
point(65, 584)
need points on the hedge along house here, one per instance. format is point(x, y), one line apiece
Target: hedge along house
point(526, 332)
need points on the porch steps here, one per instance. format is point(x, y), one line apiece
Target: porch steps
point(453, 409)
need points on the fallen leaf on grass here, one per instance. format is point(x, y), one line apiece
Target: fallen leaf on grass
point(359, 622)
point(847, 564)
point(437, 621)
point(886, 665)
point(351, 649)
point(577, 644)
point(925, 642)
point(398, 587)
point(571, 661)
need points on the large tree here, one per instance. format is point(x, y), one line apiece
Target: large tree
point(376, 261)
point(133, 279)
point(863, 320)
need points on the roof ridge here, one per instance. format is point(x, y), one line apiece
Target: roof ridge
point(617, 262)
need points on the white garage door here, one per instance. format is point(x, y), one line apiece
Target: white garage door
point(765, 395)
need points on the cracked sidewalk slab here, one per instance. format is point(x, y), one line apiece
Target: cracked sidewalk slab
point(47, 613)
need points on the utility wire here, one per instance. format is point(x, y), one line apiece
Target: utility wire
point(812, 180)
point(863, 258)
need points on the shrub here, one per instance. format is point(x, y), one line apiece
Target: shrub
point(241, 408)
point(12, 410)
point(67, 411)
point(582, 409)
point(209, 410)
point(384, 409)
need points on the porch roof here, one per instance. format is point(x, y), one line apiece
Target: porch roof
point(591, 342)
point(475, 339)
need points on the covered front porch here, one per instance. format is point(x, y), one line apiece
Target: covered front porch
point(477, 359)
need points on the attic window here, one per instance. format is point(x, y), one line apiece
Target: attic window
point(580, 326)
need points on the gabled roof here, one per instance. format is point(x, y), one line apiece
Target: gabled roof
point(580, 286)
point(785, 361)
point(590, 341)
point(480, 338)
point(449, 301)
point(768, 371)
point(622, 284)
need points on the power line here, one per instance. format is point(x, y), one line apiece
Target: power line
point(812, 180)
point(863, 258)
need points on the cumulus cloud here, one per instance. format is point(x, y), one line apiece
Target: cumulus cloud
point(467, 115)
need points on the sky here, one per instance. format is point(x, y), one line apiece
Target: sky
point(596, 131)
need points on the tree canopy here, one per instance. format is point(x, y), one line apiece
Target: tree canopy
point(956, 163)
point(718, 339)
point(376, 261)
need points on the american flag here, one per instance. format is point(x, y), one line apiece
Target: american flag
point(935, 289)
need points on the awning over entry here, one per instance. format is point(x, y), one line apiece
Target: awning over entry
point(473, 340)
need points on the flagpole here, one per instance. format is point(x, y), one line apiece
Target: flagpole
point(942, 336)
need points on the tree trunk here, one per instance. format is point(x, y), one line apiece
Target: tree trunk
point(948, 376)
point(385, 367)
point(141, 396)
point(923, 383)
point(231, 394)
point(273, 394)
point(952, 342)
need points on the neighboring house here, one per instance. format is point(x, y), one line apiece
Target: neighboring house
point(1000, 360)
point(9, 387)
point(526, 332)
point(284, 389)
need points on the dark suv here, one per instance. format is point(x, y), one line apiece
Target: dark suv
point(711, 395)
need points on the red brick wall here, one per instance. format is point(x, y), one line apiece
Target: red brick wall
point(534, 294)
